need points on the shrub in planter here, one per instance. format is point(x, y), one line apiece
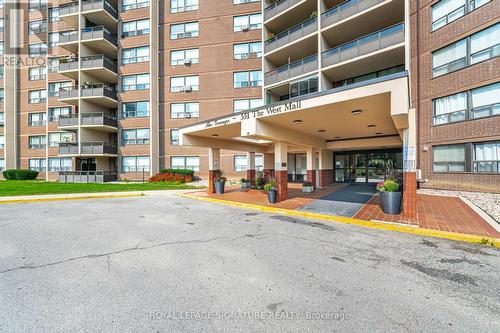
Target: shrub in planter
point(219, 183)
point(245, 183)
point(272, 191)
point(307, 187)
point(390, 197)
point(20, 174)
point(185, 172)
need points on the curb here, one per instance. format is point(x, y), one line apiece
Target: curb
point(495, 242)
point(85, 197)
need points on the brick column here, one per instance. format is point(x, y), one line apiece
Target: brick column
point(251, 176)
point(268, 171)
point(281, 169)
point(410, 196)
point(326, 177)
point(310, 166)
point(213, 168)
point(282, 183)
point(325, 168)
point(251, 167)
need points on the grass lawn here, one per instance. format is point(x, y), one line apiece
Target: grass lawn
point(33, 187)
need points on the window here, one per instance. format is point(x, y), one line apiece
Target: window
point(55, 113)
point(174, 137)
point(135, 82)
point(184, 84)
point(37, 119)
point(184, 30)
point(303, 87)
point(1, 94)
point(135, 28)
point(136, 136)
point(487, 157)
point(240, 163)
point(247, 79)
point(37, 142)
point(36, 5)
point(486, 101)
point(134, 4)
point(2, 45)
point(55, 87)
point(57, 164)
point(59, 137)
point(485, 44)
point(184, 57)
point(54, 14)
point(2, 71)
point(2, 118)
point(247, 22)
point(2, 141)
point(37, 49)
point(449, 158)
point(238, 2)
point(53, 65)
point(447, 11)
point(37, 164)
point(37, 96)
point(37, 73)
point(36, 27)
point(135, 163)
point(185, 162)
point(245, 104)
point(177, 6)
point(247, 50)
point(53, 39)
point(135, 54)
point(135, 109)
point(184, 110)
point(2, 164)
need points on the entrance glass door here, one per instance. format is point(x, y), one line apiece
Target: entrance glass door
point(376, 167)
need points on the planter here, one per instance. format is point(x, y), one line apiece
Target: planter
point(307, 189)
point(219, 187)
point(246, 185)
point(272, 196)
point(391, 202)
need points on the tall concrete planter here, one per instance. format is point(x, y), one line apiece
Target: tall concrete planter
point(272, 196)
point(391, 202)
point(219, 187)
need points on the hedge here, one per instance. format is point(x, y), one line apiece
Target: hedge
point(170, 178)
point(20, 174)
point(184, 172)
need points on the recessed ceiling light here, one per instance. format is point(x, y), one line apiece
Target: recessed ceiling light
point(297, 121)
point(356, 112)
point(215, 134)
point(371, 125)
point(321, 131)
point(378, 133)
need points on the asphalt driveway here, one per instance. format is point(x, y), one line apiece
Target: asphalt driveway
point(170, 264)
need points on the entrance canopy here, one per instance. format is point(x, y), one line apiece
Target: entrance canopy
point(370, 114)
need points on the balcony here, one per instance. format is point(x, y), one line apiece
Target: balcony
point(68, 67)
point(294, 69)
point(100, 93)
point(69, 41)
point(99, 120)
point(100, 67)
point(101, 40)
point(67, 121)
point(345, 10)
point(68, 148)
point(278, 7)
point(97, 148)
point(68, 13)
point(69, 95)
point(100, 12)
point(87, 176)
point(376, 51)
point(291, 35)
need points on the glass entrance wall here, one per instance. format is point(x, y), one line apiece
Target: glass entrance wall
point(297, 167)
point(366, 166)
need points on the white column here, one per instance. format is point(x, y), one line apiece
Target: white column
point(251, 161)
point(213, 159)
point(280, 156)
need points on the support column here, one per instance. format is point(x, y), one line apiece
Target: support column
point(281, 169)
point(213, 168)
point(268, 170)
point(251, 167)
point(410, 169)
point(311, 171)
point(325, 168)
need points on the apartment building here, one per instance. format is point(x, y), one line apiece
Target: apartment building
point(105, 84)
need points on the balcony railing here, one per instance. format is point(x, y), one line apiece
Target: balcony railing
point(292, 34)
point(68, 120)
point(99, 90)
point(98, 61)
point(68, 38)
point(99, 32)
point(98, 119)
point(68, 8)
point(98, 148)
point(68, 92)
point(68, 148)
point(69, 64)
point(370, 43)
point(291, 70)
point(277, 7)
point(345, 10)
point(87, 176)
point(99, 4)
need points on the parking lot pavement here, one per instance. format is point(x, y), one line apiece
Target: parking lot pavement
point(171, 264)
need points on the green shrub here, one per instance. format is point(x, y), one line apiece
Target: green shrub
point(184, 172)
point(389, 186)
point(269, 187)
point(20, 174)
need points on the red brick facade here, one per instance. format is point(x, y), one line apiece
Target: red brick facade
point(410, 196)
point(251, 176)
point(325, 177)
point(311, 177)
point(282, 183)
point(212, 174)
